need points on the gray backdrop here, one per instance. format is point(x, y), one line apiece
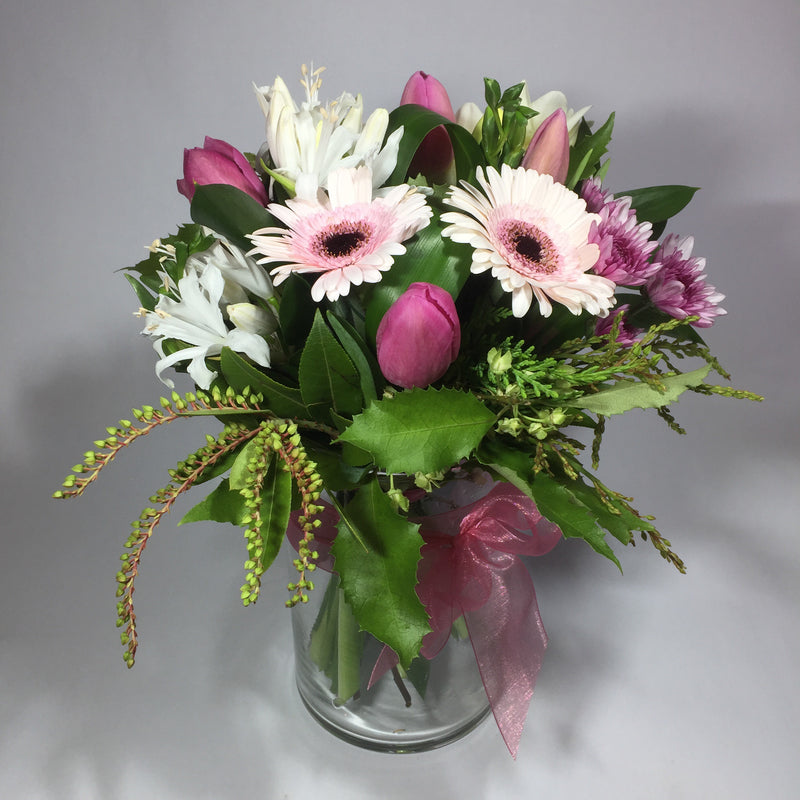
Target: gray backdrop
point(655, 684)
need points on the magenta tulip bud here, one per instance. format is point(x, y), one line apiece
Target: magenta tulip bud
point(548, 152)
point(419, 336)
point(435, 154)
point(219, 162)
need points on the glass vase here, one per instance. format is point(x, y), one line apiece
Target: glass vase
point(433, 703)
point(393, 710)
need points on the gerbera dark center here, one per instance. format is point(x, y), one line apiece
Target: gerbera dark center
point(342, 244)
point(528, 247)
point(533, 249)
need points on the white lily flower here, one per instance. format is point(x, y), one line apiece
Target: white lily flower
point(309, 142)
point(197, 320)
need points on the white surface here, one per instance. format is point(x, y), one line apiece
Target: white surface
point(655, 685)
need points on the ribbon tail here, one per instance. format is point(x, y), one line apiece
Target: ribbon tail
point(386, 661)
point(509, 641)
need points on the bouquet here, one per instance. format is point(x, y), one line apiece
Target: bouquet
point(376, 308)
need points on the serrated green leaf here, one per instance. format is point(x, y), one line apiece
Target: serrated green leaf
point(421, 430)
point(379, 584)
point(283, 401)
point(328, 379)
point(625, 395)
point(230, 212)
point(223, 504)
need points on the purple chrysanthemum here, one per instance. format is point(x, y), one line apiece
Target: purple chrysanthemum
point(627, 334)
point(679, 288)
point(625, 244)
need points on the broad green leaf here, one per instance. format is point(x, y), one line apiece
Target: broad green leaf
point(429, 258)
point(421, 430)
point(328, 379)
point(336, 643)
point(240, 472)
point(359, 355)
point(379, 583)
point(283, 401)
point(337, 473)
point(230, 212)
point(625, 395)
point(658, 203)
point(509, 463)
point(571, 505)
point(146, 299)
point(296, 310)
point(585, 156)
point(417, 123)
point(559, 502)
point(223, 504)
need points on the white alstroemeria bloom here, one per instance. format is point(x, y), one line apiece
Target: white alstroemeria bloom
point(252, 319)
point(240, 272)
point(197, 320)
point(546, 105)
point(308, 142)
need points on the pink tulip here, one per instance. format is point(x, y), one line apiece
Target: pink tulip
point(219, 162)
point(435, 154)
point(419, 336)
point(548, 152)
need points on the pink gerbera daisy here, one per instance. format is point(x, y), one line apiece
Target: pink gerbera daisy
point(533, 235)
point(346, 235)
point(679, 288)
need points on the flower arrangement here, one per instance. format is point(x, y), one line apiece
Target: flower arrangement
point(373, 308)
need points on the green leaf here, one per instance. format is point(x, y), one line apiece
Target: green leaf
point(240, 477)
point(359, 354)
point(230, 212)
point(658, 203)
point(421, 430)
point(296, 309)
point(417, 123)
point(283, 401)
point(223, 504)
point(379, 584)
point(276, 505)
point(336, 643)
point(625, 395)
point(146, 299)
point(429, 258)
point(585, 156)
point(570, 504)
point(328, 379)
point(560, 503)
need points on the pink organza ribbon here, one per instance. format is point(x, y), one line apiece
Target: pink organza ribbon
point(470, 566)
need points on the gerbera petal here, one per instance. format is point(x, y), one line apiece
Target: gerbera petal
point(534, 234)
